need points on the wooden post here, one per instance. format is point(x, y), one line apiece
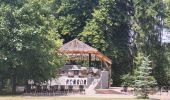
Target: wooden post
point(101, 64)
point(110, 76)
point(89, 59)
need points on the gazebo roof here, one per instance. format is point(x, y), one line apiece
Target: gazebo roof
point(77, 46)
point(80, 48)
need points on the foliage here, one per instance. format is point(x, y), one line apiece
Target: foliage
point(28, 40)
point(167, 13)
point(128, 80)
point(30, 30)
point(146, 27)
point(71, 16)
point(107, 31)
point(143, 80)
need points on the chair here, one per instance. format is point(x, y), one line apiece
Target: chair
point(33, 89)
point(44, 89)
point(51, 90)
point(62, 89)
point(75, 89)
point(164, 89)
point(27, 88)
point(38, 89)
point(70, 89)
point(81, 89)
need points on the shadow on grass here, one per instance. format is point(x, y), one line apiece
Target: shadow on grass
point(8, 93)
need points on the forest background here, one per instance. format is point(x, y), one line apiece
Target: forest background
point(30, 30)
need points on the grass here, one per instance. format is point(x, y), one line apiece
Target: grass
point(59, 98)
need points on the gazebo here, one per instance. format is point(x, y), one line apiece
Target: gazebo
point(76, 50)
point(77, 77)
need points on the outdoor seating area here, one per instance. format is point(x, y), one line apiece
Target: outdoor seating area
point(75, 78)
point(66, 84)
point(46, 89)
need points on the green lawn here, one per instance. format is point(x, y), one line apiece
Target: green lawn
point(58, 98)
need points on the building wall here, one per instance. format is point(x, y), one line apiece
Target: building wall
point(104, 82)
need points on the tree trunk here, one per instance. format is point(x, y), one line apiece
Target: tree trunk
point(13, 79)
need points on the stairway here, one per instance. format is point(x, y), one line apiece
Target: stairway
point(91, 89)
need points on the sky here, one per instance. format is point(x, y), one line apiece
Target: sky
point(166, 35)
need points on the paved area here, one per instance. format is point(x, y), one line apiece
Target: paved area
point(157, 97)
point(163, 96)
point(104, 96)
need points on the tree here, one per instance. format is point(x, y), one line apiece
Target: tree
point(71, 16)
point(146, 27)
point(129, 78)
point(144, 21)
point(28, 40)
point(108, 31)
point(30, 32)
point(143, 79)
point(104, 24)
point(167, 13)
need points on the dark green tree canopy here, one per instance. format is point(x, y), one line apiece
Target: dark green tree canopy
point(28, 39)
